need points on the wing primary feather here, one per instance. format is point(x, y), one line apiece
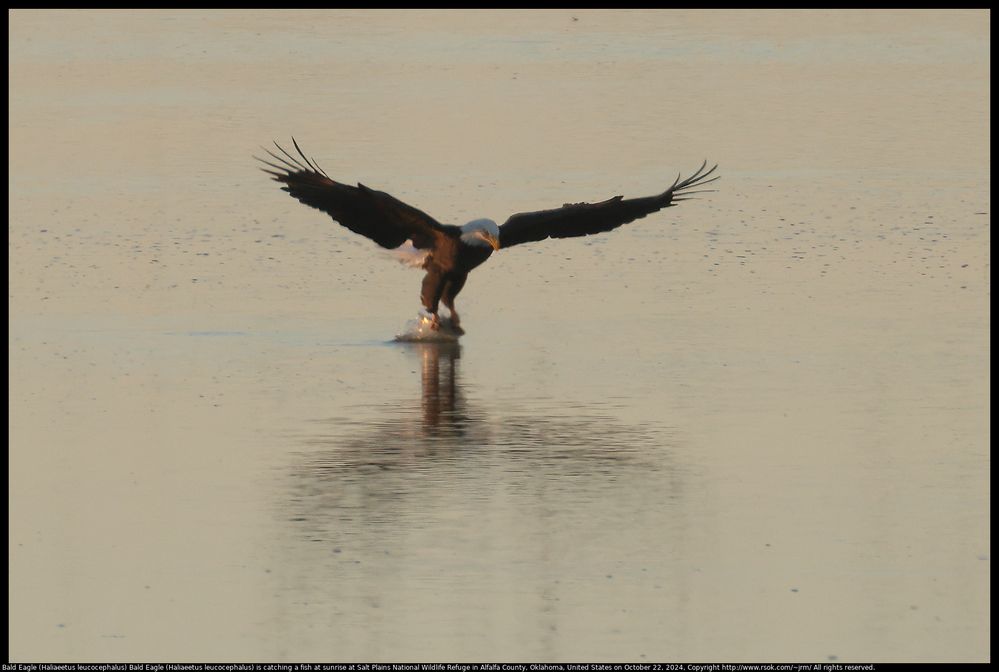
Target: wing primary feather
point(292, 158)
point(698, 177)
point(268, 163)
point(710, 170)
point(693, 177)
point(311, 164)
point(698, 173)
point(321, 170)
point(699, 183)
point(287, 166)
point(699, 191)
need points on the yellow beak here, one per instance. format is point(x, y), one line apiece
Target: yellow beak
point(494, 242)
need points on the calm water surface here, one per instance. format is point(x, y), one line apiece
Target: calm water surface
point(753, 427)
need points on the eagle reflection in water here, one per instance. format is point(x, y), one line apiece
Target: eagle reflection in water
point(444, 502)
point(404, 433)
point(442, 402)
point(446, 433)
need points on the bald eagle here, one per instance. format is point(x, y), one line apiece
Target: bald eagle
point(448, 253)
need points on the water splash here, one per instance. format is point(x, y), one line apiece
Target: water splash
point(419, 331)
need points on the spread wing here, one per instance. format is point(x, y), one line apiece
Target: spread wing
point(584, 219)
point(373, 214)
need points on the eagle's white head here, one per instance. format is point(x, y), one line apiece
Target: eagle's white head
point(482, 233)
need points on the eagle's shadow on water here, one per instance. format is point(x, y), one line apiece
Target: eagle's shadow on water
point(374, 466)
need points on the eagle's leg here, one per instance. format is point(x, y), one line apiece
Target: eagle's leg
point(451, 290)
point(455, 320)
point(430, 295)
point(449, 302)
